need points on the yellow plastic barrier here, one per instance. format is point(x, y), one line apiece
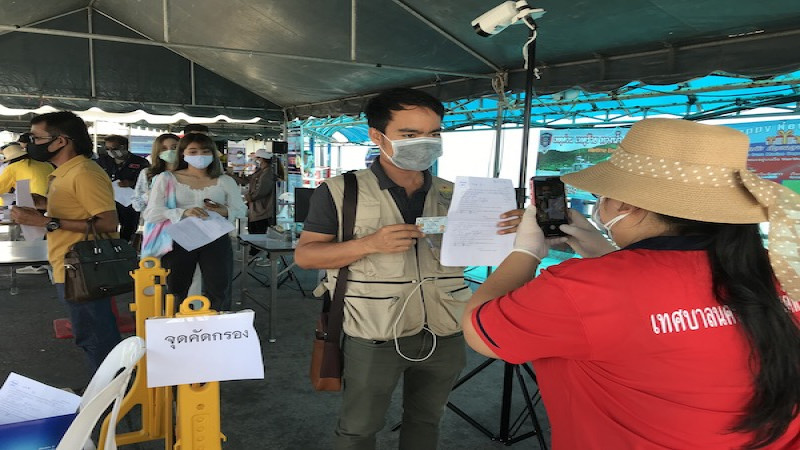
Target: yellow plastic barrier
point(155, 404)
point(198, 410)
point(197, 405)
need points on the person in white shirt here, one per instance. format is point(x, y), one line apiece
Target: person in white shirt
point(163, 156)
point(200, 187)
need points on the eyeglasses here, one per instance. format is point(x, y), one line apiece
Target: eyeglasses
point(39, 138)
point(113, 149)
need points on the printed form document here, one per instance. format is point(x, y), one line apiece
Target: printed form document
point(471, 238)
point(23, 399)
point(194, 232)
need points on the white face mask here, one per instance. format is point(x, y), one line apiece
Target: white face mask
point(168, 156)
point(198, 161)
point(117, 154)
point(606, 227)
point(415, 153)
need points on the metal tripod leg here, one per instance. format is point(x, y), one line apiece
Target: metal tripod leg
point(290, 275)
point(507, 433)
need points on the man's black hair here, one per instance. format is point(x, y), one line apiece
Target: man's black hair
point(195, 128)
point(66, 123)
point(117, 139)
point(379, 109)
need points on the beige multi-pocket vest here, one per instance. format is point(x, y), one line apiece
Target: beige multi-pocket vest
point(380, 284)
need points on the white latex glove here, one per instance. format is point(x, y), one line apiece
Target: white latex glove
point(530, 238)
point(583, 237)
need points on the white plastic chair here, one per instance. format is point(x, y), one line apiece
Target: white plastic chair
point(108, 385)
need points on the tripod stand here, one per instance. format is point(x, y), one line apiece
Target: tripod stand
point(508, 430)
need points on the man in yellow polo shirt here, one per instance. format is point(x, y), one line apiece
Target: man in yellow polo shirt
point(22, 167)
point(79, 189)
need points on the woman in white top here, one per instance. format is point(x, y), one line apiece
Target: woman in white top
point(200, 187)
point(163, 156)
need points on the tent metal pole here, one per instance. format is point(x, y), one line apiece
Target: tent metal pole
point(353, 18)
point(165, 17)
point(498, 139)
point(191, 81)
point(92, 81)
point(526, 121)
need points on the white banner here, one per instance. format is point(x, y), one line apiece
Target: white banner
point(184, 350)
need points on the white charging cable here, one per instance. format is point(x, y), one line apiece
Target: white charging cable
point(399, 316)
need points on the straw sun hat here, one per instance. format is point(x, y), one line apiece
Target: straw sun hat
point(13, 151)
point(695, 171)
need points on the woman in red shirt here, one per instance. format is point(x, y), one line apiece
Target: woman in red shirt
point(685, 337)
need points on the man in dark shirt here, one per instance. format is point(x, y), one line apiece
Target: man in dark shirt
point(123, 168)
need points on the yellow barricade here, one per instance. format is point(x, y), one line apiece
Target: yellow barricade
point(198, 409)
point(155, 404)
point(197, 405)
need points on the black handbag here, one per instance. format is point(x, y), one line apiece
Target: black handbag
point(98, 268)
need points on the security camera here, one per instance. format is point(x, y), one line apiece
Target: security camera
point(507, 13)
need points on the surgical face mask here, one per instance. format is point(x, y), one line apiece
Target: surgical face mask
point(168, 156)
point(199, 161)
point(39, 151)
point(415, 153)
point(606, 227)
point(116, 153)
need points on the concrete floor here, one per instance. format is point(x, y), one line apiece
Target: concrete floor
point(279, 412)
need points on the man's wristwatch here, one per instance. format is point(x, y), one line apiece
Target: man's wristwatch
point(53, 224)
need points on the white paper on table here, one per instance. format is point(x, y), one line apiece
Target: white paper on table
point(194, 232)
point(24, 198)
point(23, 399)
point(471, 237)
point(201, 349)
point(123, 195)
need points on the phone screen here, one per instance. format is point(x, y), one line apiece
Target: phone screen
point(551, 204)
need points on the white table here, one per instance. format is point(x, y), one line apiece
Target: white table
point(19, 253)
point(275, 248)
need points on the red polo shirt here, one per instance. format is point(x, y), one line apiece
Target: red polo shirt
point(631, 351)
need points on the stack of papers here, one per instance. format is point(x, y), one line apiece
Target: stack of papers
point(193, 232)
point(23, 399)
point(471, 238)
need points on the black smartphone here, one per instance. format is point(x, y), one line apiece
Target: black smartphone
point(210, 202)
point(550, 199)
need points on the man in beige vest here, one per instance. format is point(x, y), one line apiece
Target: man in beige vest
point(402, 307)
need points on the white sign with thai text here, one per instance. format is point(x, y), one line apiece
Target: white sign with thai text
point(200, 349)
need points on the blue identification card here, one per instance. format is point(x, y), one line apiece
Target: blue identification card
point(432, 225)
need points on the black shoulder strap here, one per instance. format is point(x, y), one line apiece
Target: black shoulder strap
point(336, 315)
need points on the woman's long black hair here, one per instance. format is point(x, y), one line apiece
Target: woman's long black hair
point(744, 281)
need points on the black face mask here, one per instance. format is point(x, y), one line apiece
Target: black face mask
point(39, 151)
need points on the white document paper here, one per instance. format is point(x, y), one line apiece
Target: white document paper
point(23, 399)
point(201, 349)
point(123, 195)
point(194, 232)
point(24, 198)
point(471, 237)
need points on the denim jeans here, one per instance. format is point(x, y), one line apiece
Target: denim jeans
point(94, 327)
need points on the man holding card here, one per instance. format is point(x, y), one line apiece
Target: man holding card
point(402, 307)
